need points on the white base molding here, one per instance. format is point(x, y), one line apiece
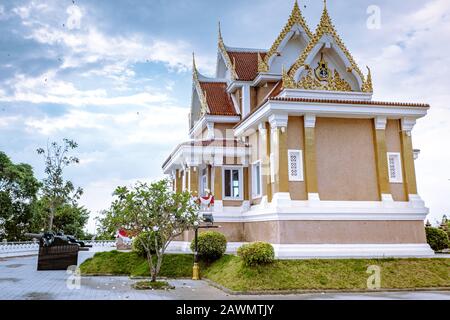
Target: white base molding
point(329, 251)
point(281, 209)
point(341, 251)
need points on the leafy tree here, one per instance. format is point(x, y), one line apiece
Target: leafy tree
point(153, 208)
point(56, 190)
point(18, 190)
point(69, 218)
point(106, 229)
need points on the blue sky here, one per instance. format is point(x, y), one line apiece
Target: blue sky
point(115, 76)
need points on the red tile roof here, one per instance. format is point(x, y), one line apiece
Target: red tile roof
point(246, 64)
point(335, 101)
point(278, 88)
point(218, 99)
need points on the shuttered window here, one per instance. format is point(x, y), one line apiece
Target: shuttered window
point(295, 165)
point(395, 167)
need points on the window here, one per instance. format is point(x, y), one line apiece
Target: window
point(204, 182)
point(395, 167)
point(232, 183)
point(295, 165)
point(256, 179)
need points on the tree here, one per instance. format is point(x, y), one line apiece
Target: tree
point(69, 218)
point(18, 190)
point(56, 190)
point(156, 209)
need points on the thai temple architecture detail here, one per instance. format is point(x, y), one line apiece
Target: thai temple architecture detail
point(296, 152)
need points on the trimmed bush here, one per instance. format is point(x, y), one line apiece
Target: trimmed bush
point(148, 237)
point(437, 238)
point(211, 245)
point(256, 253)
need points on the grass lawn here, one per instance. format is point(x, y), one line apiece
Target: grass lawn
point(283, 274)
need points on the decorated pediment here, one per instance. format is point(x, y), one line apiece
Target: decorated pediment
point(326, 64)
point(292, 40)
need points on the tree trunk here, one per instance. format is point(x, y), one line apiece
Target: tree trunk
point(50, 220)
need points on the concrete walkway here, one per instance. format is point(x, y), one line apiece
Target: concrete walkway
point(19, 280)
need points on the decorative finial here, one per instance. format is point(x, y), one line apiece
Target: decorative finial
point(220, 33)
point(367, 85)
point(325, 4)
point(194, 67)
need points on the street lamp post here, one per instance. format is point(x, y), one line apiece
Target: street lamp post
point(196, 267)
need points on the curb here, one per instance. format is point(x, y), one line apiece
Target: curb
point(292, 292)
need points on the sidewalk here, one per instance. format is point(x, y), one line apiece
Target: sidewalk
point(19, 280)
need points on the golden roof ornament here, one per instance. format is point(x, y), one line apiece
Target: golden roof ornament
point(198, 88)
point(226, 57)
point(296, 17)
point(367, 85)
point(325, 27)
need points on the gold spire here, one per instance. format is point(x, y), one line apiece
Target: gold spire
point(194, 67)
point(296, 17)
point(225, 55)
point(198, 88)
point(220, 34)
point(325, 27)
point(367, 85)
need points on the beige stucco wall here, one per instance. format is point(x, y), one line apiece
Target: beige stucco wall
point(364, 232)
point(295, 141)
point(262, 231)
point(321, 232)
point(233, 231)
point(393, 144)
point(346, 160)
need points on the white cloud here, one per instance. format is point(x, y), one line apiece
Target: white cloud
point(413, 66)
point(48, 89)
point(152, 125)
point(74, 18)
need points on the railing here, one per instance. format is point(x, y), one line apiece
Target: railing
point(33, 246)
point(21, 246)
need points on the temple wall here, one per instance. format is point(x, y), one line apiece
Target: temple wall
point(295, 141)
point(393, 144)
point(322, 232)
point(346, 160)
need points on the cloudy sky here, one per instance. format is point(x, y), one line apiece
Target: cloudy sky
point(115, 76)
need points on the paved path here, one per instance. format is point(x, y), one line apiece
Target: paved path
point(19, 280)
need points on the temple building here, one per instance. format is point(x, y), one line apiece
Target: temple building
point(296, 152)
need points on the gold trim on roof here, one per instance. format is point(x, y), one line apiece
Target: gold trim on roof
point(296, 17)
point(367, 85)
point(226, 57)
point(200, 93)
point(325, 27)
point(310, 82)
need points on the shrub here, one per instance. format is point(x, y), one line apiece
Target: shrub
point(148, 237)
point(437, 238)
point(256, 253)
point(211, 245)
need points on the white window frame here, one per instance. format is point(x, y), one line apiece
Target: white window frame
point(241, 183)
point(254, 180)
point(399, 169)
point(300, 177)
point(204, 184)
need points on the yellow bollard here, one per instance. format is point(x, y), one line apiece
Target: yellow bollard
point(195, 272)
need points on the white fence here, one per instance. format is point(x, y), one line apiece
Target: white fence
point(8, 249)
